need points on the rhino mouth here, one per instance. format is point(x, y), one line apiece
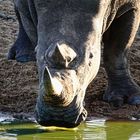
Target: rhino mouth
point(63, 123)
point(69, 117)
point(71, 122)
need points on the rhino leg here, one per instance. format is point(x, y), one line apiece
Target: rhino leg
point(117, 41)
point(22, 50)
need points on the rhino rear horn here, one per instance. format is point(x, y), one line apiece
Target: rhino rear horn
point(63, 54)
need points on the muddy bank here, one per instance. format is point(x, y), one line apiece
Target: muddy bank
point(19, 82)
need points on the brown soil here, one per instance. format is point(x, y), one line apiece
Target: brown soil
point(19, 82)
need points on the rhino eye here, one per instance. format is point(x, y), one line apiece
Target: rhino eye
point(62, 55)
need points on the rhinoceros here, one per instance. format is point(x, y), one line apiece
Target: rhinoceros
point(65, 38)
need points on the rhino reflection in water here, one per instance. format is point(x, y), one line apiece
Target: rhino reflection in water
point(66, 36)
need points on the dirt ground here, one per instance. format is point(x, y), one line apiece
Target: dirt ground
point(19, 82)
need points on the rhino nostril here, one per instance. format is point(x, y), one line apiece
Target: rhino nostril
point(91, 55)
point(68, 59)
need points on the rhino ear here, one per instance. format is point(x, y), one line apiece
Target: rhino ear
point(63, 55)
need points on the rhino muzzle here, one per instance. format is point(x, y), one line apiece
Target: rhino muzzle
point(59, 102)
point(71, 120)
point(70, 116)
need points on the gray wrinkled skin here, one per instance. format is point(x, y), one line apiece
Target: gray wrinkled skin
point(68, 35)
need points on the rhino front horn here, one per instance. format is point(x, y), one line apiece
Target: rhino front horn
point(52, 86)
point(63, 54)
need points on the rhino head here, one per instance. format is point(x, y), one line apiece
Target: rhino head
point(68, 57)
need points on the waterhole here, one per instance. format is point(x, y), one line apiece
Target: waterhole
point(95, 129)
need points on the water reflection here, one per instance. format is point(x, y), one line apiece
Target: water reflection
point(123, 130)
point(91, 130)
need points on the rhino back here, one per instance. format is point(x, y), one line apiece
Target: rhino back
point(31, 10)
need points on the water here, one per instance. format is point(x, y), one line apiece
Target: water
point(90, 130)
